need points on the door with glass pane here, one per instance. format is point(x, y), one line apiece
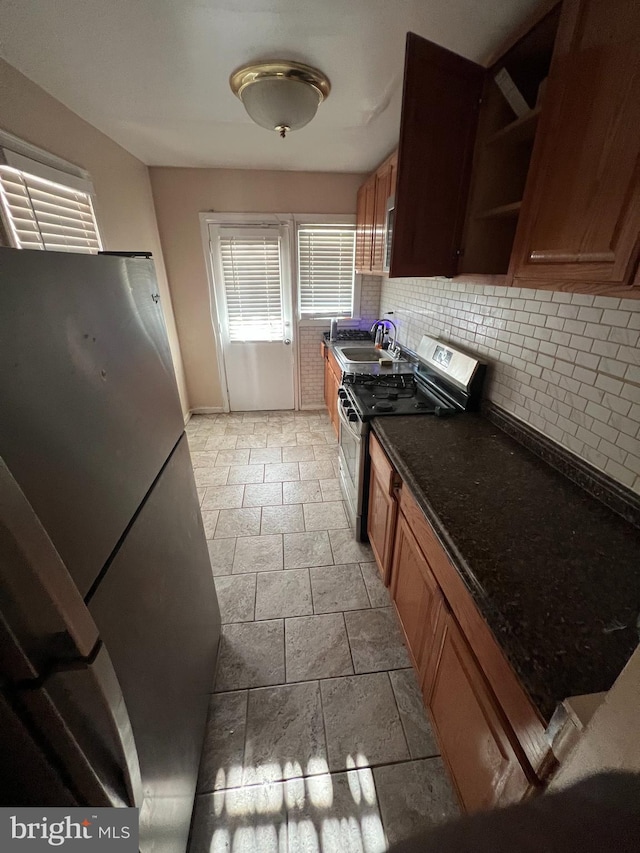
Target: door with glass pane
point(253, 298)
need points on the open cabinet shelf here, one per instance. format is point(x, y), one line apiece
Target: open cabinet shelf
point(501, 210)
point(523, 129)
point(503, 149)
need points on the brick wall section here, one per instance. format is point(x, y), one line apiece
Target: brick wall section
point(311, 367)
point(309, 338)
point(370, 288)
point(568, 364)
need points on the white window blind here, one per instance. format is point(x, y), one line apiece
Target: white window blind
point(41, 214)
point(252, 285)
point(326, 270)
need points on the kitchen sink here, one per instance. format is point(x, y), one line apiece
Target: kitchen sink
point(365, 354)
point(362, 353)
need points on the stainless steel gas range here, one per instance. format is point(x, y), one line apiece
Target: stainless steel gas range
point(443, 382)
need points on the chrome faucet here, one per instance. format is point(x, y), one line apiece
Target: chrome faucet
point(393, 349)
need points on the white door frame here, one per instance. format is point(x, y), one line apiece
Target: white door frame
point(220, 219)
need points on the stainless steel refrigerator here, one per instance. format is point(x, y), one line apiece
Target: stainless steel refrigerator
point(109, 623)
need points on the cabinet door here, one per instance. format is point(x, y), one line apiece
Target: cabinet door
point(327, 383)
point(471, 731)
point(440, 101)
point(332, 378)
point(382, 193)
point(418, 600)
point(361, 206)
point(365, 212)
point(381, 520)
point(581, 213)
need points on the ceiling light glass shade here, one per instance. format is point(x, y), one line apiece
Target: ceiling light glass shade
point(281, 95)
point(280, 102)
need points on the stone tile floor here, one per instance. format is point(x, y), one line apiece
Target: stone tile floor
point(317, 741)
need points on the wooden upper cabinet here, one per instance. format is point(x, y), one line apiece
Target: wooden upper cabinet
point(580, 220)
point(365, 210)
point(383, 191)
point(440, 102)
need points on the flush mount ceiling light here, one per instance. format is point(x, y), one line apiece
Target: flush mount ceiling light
point(280, 95)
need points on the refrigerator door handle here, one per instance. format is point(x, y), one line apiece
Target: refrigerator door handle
point(42, 608)
point(81, 715)
point(121, 729)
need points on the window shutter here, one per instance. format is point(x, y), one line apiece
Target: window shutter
point(252, 286)
point(44, 215)
point(326, 270)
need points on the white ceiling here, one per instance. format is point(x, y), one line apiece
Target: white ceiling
point(153, 74)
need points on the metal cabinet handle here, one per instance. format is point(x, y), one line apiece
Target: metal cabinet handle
point(287, 341)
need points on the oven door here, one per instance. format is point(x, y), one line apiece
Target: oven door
point(351, 458)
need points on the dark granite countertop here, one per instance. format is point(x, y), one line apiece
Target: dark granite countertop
point(555, 573)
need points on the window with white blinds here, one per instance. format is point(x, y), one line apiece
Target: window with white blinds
point(326, 270)
point(252, 282)
point(41, 214)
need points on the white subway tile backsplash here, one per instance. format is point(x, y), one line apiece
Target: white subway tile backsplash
point(567, 363)
point(569, 311)
point(606, 348)
point(633, 462)
point(590, 315)
point(607, 383)
point(619, 472)
point(588, 437)
point(629, 354)
point(612, 367)
point(598, 412)
point(587, 359)
point(624, 336)
point(594, 330)
point(574, 327)
point(633, 374)
point(615, 318)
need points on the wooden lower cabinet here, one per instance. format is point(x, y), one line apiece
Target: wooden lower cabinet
point(383, 508)
point(332, 378)
point(418, 601)
point(469, 726)
point(490, 735)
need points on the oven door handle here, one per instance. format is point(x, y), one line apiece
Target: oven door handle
point(345, 421)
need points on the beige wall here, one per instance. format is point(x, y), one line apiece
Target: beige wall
point(124, 204)
point(610, 740)
point(180, 196)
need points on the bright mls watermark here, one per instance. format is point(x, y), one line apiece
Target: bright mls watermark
point(81, 829)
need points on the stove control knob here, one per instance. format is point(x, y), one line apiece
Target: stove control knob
point(342, 394)
point(345, 402)
point(352, 416)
